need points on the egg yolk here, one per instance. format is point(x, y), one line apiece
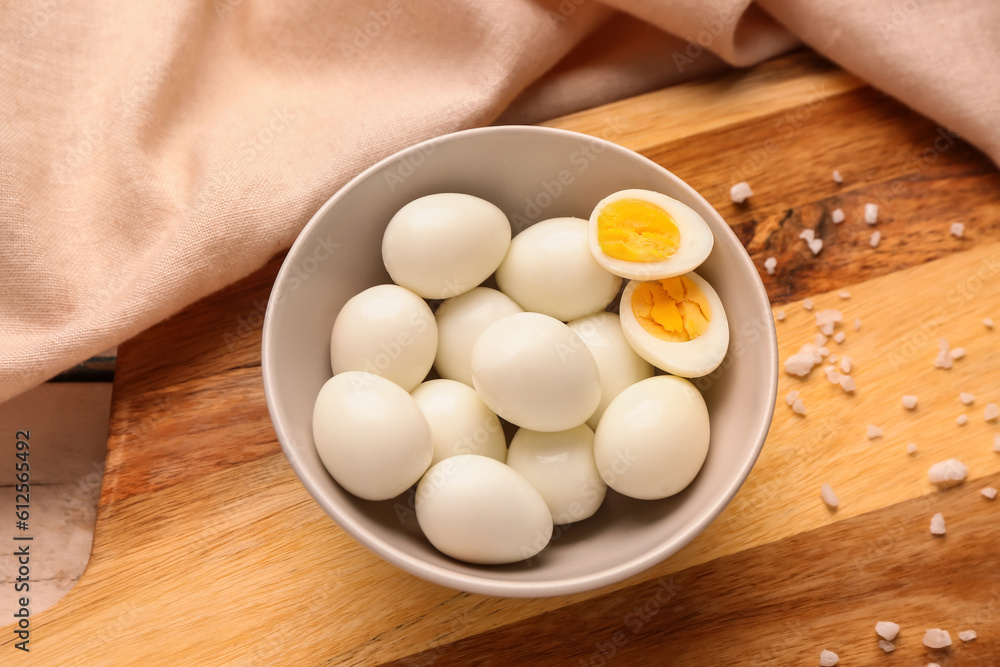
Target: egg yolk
point(637, 231)
point(673, 309)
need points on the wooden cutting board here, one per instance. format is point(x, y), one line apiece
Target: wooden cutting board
point(208, 550)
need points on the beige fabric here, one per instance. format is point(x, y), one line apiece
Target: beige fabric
point(151, 153)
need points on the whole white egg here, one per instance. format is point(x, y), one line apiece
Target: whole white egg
point(561, 467)
point(445, 244)
point(677, 324)
point(479, 510)
point(460, 321)
point(653, 438)
point(646, 235)
point(370, 435)
point(460, 422)
point(386, 330)
point(533, 371)
point(549, 269)
point(619, 365)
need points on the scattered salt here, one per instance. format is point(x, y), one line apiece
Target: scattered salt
point(769, 265)
point(957, 353)
point(828, 496)
point(807, 304)
point(824, 351)
point(792, 395)
point(807, 235)
point(909, 401)
point(888, 647)
point(911, 448)
point(801, 363)
point(740, 192)
point(876, 237)
point(874, 432)
point(827, 319)
point(837, 178)
point(839, 336)
point(996, 443)
point(847, 384)
point(887, 630)
point(837, 216)
point(857, 323)
point(943, 359)
point(871, 213)
point(780, 315)
point(947, 473)
point(989, 493)
point(957, 229)
point(832, 375)
point(937, 638)
point(844, 294)
point(816, 245)
point(988, 322)
point(820, 340)
point(845, 364)
point(799, 407)
point(967, 635)
point(991, 412)
point(966, 397)
point(962, 420)
point(933, 664)
point(937, 528)
point(832, 359)
point(828, 658)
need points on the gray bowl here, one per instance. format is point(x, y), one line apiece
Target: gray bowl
point(532, 173)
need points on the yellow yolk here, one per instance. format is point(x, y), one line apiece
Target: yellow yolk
point(637, 231)
point(674, 309)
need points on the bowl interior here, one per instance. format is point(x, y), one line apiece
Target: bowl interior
point(532, 174)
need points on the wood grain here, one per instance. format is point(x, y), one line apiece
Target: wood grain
point(209, 550)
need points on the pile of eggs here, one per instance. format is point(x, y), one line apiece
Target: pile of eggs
point(540, 351)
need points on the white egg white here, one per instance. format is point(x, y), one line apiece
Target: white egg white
point(693, 358)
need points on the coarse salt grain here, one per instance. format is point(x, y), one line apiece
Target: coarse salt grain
point(769, 265)
point(888, 647)
point(933, 664)
point(962, 420)
point(876, 237)
point(967, 635)
point(792, 395)
point(807, 304)
point(847, 384)
point(837, 178)
point(799, 407)
point(827, 319)
point(988, 322)
point(780, 315)
point(989, 493)
point(839, 336)
point(909, 401)
point(887, 630)
point(820, 340)
point(828, 658)
point(966, 397)
point(816, 245)
point(832, 359)
point(832, 375)
point(936, 637)
point(957, 229)
point(947, 473)
point(807, 235)
point(943, 359)
point(844, 294)
point(801, 363)
point(824, 351)
point(828, 496)
point(957, 353)
point(991, 412)
point(857, 323)
point(911, 448)
point(837, 216)
point(937, 528)
point(871, 213)
point(874, 432)
point(845, 364)
point(996, 443)
point(740, 192)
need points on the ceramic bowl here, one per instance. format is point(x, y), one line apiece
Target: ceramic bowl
point(531, 173)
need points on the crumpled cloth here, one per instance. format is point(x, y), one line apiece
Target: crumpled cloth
point(152, 153)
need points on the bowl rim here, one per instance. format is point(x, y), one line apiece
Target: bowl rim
point(498, 586)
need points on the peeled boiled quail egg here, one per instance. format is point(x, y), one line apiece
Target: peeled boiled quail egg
point(532, 370)
point(460, 320)
point(460, 422)
point(617, 362)
point(645, 235)
point(677, 324)
point(549, 269)
point(386, 330)
point(561, 467)
point(370, 435)
point(479, 510)
point(445, 244)
point(653, 438)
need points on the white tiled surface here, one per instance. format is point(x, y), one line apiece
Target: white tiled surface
point(68, 423)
